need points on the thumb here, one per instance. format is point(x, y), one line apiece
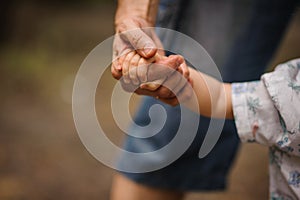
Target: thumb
point(140, 41)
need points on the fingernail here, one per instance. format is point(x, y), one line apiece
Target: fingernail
point(148, 48)
point(150, 86)
point(119, 67)
point(143, 86)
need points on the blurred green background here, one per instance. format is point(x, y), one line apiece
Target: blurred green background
point(42, 45)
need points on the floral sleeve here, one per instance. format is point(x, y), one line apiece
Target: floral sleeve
point(268, 111)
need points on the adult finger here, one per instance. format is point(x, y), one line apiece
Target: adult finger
point(183, 96)
point(140, 41)
point(172, 86)
point(182, 82)
point(185, 93)
point(153, 85)
point(171, 101)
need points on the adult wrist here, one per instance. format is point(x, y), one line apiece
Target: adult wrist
point(145, 10)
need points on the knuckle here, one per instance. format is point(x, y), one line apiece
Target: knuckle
point(128, 57)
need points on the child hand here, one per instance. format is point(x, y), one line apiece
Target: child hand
point(177, 84)
point(134, 68)
point(173, 62)
point(143, 72)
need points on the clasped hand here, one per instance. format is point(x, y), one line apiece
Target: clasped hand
point(139, 63)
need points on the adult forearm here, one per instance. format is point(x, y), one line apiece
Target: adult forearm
point(145, 9)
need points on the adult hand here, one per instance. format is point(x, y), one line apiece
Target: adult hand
point(176, 86)
point(132, 37)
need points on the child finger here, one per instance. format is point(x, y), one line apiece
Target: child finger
point(172, 62)
point(117, 74)
point(125, 66)
point(175, 60)
point(184, 70)
point(133, 69)
point(142, 70)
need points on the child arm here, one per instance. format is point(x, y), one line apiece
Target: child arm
point(210, 93)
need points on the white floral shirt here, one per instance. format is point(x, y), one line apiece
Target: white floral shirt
point(268, 112)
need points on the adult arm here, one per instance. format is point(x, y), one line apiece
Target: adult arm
point(131, 19)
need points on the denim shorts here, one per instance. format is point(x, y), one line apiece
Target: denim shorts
point(189, 172)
